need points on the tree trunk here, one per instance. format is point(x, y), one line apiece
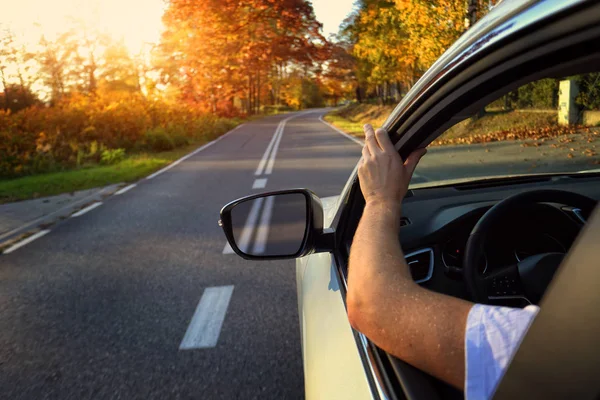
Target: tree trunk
point(472, 6)
point(258, 93)
point(6, 91)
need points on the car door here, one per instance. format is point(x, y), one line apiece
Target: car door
point(513, 46)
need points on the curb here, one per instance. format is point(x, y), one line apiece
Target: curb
point(8, 238)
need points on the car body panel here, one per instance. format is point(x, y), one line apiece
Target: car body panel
point(336, 363)
point(333, 368)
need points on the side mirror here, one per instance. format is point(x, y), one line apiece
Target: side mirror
point(276, 225)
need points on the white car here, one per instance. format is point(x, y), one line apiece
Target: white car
point(513, 224)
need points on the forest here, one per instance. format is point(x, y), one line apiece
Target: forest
point(83, 99)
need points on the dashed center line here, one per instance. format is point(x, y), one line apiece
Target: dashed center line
point(205, 326)
point(88, 208)
point(26, 241)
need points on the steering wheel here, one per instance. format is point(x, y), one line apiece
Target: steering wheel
point(527, 278)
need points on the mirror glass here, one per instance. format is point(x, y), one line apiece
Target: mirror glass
point(271, 225)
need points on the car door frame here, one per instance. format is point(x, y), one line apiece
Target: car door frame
point(502, 56)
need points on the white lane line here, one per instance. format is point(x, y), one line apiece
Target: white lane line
point(174, 163)
point(88, 208)
point(259, 183)
point(271, 163)
point(205, 326)
point(228, 249)
point(26, 241)
point(263, 160)
point(341, 132)
point(244, 241)
point(274, 144)
point(125, 189)
point(262, 233)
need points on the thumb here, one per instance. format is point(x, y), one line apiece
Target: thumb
point(413, 159)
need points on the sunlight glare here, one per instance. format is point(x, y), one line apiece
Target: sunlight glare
point(136, 22)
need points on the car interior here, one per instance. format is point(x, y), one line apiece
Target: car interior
point(493, 240)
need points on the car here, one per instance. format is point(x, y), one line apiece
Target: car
point(485, 230)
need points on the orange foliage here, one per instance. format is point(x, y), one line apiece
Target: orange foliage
point(78, 128)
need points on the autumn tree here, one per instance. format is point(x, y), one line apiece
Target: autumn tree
point(15, 73)
point(216, 51)
point(338, 80)
point(396, 41)
point(118, 70)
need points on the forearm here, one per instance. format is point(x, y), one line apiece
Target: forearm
point(376, 256)
point(421, 327)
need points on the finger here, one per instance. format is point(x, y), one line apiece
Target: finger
point(365, 152)
point(384, 141)
point(413, 159)
point(370, 140)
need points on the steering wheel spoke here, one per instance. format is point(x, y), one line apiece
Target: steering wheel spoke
point(503, 282)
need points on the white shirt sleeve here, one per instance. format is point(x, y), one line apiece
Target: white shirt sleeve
point(492, 337)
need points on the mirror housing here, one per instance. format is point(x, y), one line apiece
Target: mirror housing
point(315, 238)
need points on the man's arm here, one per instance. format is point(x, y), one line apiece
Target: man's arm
point(424, 328)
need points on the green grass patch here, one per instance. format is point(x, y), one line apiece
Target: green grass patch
point(351, 118)
point(134, 167)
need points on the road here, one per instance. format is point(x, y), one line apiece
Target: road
point(107, 304)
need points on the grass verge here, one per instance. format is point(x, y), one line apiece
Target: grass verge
point(494, 126)
point(351, 118)
point(134, 167)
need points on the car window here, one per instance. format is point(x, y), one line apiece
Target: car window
point(546, 126)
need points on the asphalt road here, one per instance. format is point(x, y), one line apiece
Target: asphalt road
point(98, 307)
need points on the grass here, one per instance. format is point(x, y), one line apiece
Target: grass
point(351, 118)
point(134, 167)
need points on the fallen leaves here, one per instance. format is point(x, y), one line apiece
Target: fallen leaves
point(536, 134)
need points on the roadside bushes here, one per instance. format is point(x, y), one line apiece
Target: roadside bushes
point(98, 129)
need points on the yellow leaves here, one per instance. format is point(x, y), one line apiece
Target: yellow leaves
point(537, 134)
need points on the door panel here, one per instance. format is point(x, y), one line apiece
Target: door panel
point(332, 365)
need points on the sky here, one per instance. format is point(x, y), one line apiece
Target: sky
point(332, 13)
point(122, 19)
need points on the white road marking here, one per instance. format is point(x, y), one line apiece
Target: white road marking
point(341, 132)
point(26, 241)
point(205, 326)
point(262, 232)
point(88, 208)
point(263, 160)
point(271, 163)
point(174, 163)
point(259, 183)
point(274, 144)
point(360, 142)
point(228, 249)
point(125, 189)
point(244, 241)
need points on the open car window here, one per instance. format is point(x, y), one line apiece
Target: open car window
point(550, 125)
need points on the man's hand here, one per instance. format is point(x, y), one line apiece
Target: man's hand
point(422, 327)
point(383, 177)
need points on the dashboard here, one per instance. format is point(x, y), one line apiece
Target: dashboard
point(437, 223)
